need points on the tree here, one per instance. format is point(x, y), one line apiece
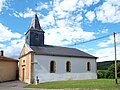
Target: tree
point(101, 73)
point(111, 71)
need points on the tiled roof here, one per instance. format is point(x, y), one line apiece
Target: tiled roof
point(60, 51)
point(7, 59)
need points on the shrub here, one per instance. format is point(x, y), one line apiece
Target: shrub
point(101, 73)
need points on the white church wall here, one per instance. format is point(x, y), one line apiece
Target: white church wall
point(78, 68)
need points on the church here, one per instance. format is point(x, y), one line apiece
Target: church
point(39, 63)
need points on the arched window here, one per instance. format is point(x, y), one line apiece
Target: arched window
point(52, 67)
point(88, 66)
point(68, 66)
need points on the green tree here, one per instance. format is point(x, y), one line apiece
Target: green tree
point(101, 73)
point(111, 71)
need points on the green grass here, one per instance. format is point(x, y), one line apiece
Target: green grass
point(98, 84)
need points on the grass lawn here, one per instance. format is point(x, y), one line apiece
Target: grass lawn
point(99, 84)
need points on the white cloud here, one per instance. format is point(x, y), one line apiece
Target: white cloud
point(80, 4)
point(6, 34)
point(64, 36)
point(109, 12)
point(110, 41)
point(67, 5)
point(28, 13)
point(71, 5)
point(79, 17)
point(107, 54)
point(1, 4)
point(63, 8)
point(66, 28)
point(47, 20)
point(42, 6)
point(104, 31)
point(90, 2)
point(61, 23)
point(106, 43)
point(14, 49)
point(14, 42)
point(2, 46)
point(90, 15)
point(16, 14)
point(50, 18)
point(61, 14)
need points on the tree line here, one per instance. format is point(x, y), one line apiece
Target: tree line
point(109, 72)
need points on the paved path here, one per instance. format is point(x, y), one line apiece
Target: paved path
point(14, 85)
point(18, 85)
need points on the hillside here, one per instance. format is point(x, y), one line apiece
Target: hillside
point(104, 65)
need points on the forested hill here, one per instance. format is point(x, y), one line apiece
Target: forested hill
point(104, 65)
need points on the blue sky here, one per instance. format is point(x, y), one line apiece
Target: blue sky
point(65, 22)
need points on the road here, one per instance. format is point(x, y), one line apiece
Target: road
point(15, 85)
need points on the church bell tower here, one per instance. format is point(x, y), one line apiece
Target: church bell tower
point(35, 35)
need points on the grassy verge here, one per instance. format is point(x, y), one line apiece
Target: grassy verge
point(99, 84)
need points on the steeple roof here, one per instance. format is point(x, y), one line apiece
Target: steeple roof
point(35, 23)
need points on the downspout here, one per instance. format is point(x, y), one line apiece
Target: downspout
point(32, 68)
point(96, 66)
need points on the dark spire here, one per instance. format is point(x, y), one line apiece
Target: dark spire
point(35, 35)
point(35, 23)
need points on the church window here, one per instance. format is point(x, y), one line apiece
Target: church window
point(52, 67)
point(88, 66)
point(68, 66)
point(23, 61)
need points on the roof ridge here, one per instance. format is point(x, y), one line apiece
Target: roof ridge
point(7, 58)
